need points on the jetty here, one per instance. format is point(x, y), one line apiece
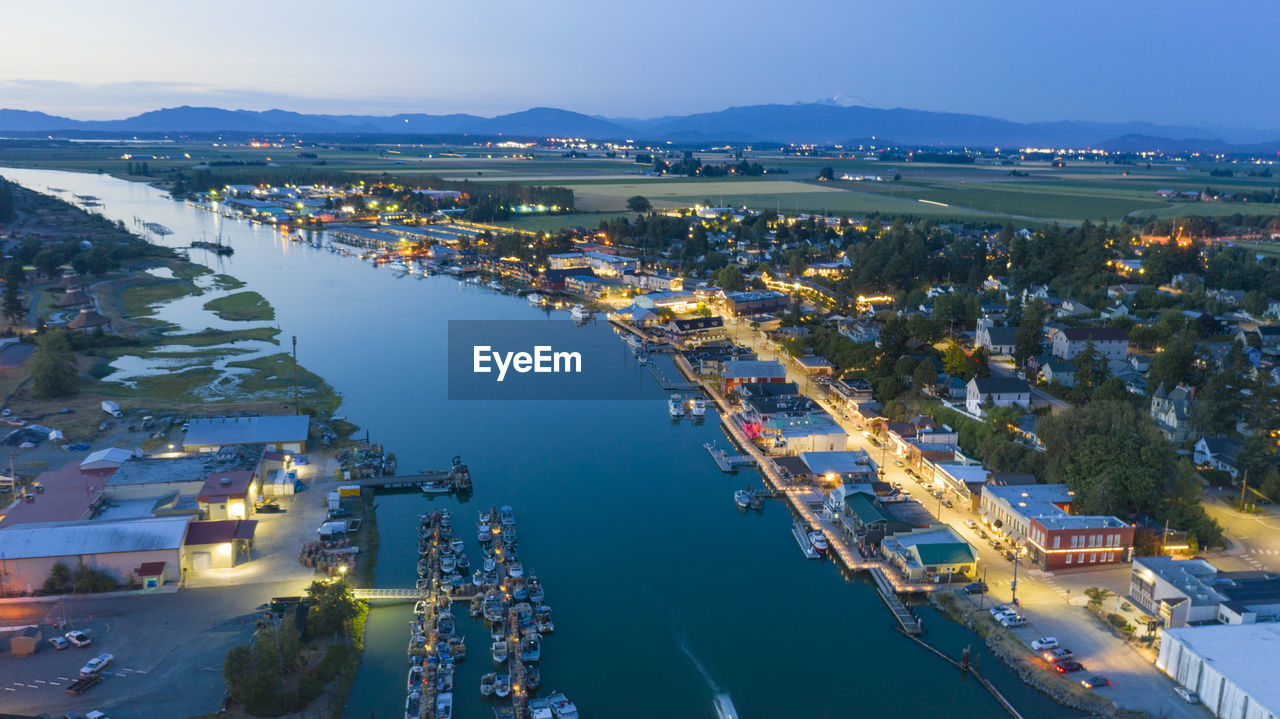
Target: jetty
point(455, 479)
point(725, 461)
point(157, 228)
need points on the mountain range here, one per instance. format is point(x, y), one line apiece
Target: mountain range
point(809, 123)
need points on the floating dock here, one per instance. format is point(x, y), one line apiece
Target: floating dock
point(802, 538)
point(725, 461)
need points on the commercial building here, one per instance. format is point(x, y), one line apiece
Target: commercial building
point(228, 495)
point(810, 433)
point(1036, 517)
point(1232, 670)
point(742, 304)
point(926, 554)
point(65, 494)
point(287, 433)
point(118, 548)
point(218, 544)
point(603, 264)
point(736, 372)
point(1185, 592)
point(847, 467)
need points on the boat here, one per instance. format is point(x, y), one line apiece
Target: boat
point(698, 407)
point(444, 625)
point(507, 516)
point(532, 677)
point(742, 498)
point(448, 563)
point(561, 707)
point(519, 591)
point(420, 606)
point(415, 678)
point(498, 629)
point(490, 565)
point(540, 709)
point(531, 648)
point(725, 708)
point(819, 542)
point(487, 683)
point(534, 299)
point(515, 570)
point(545, 625)
point(536, 593)
point(499, 651)
point(463, 563)
point(486, 516)
point(503, 711)
point(477, 578)
point(675, 405)
point(444, 706)
point(444, 679)
point(801, 532)
point(411, 705)
point(458, 647)
point(437, 486)
point(456, 544)
point(492, 606)
point(484, 535)
point(502, 687)
point(580, 313)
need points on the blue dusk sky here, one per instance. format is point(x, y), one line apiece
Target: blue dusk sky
point(1167, 62)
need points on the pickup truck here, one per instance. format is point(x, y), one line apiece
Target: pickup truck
point(83, 683)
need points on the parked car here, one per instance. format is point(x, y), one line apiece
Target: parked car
point(1095, 681)
point(78, 638)
point(1057, 654)
point(976, 588)
point(59, 642)
point(947, 503)
point(1068, 666)
point(1187, 695)
point(96, 664)
point(271, 508)
point(95, 714)
point(1000, 609)
point(1013, 620)
point(1044, 643)
point(999, 618)
point(970, 524)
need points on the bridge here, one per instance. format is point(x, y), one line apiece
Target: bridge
point(390, 594)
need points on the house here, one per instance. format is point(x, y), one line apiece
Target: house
point(1108, 342)
point(997, 391)
point(1171, 410)
point(860, 331)
point(815, 366)
point(1036, 518)
point(1269, 337)
point(554, 280)
point(926, 554)
point(1072, 308)
point(1058, 370)
point(287, 433)
point(997, 340)
point(1217, 453)
point(1119, 309)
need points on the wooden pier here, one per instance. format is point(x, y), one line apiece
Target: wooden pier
point(457, 479)
point(910, 624)
point(725, 461)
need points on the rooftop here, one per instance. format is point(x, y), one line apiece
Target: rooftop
point(69, 494)
point(184, 468)
point(217, 431)
point(232, 485)
point(855, 462)
point(69, 539)
point(753, 368)
point(1034, 500)
point(220, 531)
point(1248, 655)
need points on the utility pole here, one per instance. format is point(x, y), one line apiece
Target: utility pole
point(295, 375)
point(1243, 483)
point(982, 596)
point(1013, 586)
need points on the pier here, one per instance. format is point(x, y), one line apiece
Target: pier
point(725, 461)
point(440, 481)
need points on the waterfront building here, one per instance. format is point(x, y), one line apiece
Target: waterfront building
point(1036, 518)
point(603, 264)
point(736, 372)
point(843, 467)
point(554, 280)
point(287, 433)
point(1184, 592)
point(696, 329)
point(510, 267)
point(816, 432)
point(932, 553)
point(1231, 669)
point(117, 547)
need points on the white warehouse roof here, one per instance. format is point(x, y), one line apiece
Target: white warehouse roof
point(106, 458)
point(221, 431)
point(1247, 655)
point(68, 539)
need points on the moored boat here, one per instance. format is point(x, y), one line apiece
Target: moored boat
point(507, 516)
point(498, 629)
point(580, 313)
point(499, 651)
point(444, 679)
point(534, 299)
point(819, 542)
point(698, 407)
point(540, 709)
point(515, 570)
point(532, 677)
point(561, 707)
point(531, 648)
point(545, 625)
point(502, 687)
point(675, 405)
point(444, 706)
point(536, 593)
point(742, 498)
point(487, 683)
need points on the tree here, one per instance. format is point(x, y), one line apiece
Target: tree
point(981, 365)
point(334, 606)
point(1097, 595)
point(730, 279)
point(13, 307)
point(925, 377)
point(826, 174)
point(639, 203)
point(53, 369)
point(1030, 339)
point(59, 580)
point(1255, 303)
point(956, 363)
point(1091, 370)
point(1174, 365)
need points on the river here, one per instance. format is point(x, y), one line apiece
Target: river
point(664, 593)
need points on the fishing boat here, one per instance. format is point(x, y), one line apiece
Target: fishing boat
point(497, 629)
point(415, 678)
point(487, 683)
point(509, 536)
point(437, 486)
point(494, 285)
point(443, 655)
point(463, 563)
point(742, 498)
point(448, 563)
point(445, 625)
point(819, 542)
point(503, 711)
point(561, 707)
point(545, 625)
point(458, 647)
point(580, 313)
point(477, 579)
point(540, 709)
point(499, 651)
point(486, 517)
point(484, 535)
point(502, 687)
point(534, 299)
point(490, 565)
point(444, 679)
point(531, 648)
point(536, 593)
point(507, 516)
point(411, 703)
point(492, 606)
point(456, 544)
point(420, 607)
point(675, 405)
point(532, 677)
point(444, 706)
point(698, 407)
point(519, 591)
point(515, 570)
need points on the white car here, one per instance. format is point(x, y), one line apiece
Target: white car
point(58, 642)
point(95, 714)
point(1187, 695)
point(78, 638)
point(1001, 609)
point(1013, 620)
point(970, 524)
point(96, 664)
point(1045, 643)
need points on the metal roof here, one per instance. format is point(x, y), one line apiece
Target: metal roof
point(218, 431)
point(69, 539)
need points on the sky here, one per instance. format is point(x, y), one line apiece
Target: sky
point(1170, 62)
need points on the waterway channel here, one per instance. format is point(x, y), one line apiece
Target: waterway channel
point(664, 593)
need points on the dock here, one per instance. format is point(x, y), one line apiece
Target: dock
point(908, 621)
point(725, 461)
point(797, 531)
point(157, 228)
point(455, 479)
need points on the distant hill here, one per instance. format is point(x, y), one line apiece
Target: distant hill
point(819, 123)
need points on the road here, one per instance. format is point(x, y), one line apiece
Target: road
point(1253, 539)
point(1052, 602)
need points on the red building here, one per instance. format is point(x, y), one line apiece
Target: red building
point(1037, 517)
point(738, 372)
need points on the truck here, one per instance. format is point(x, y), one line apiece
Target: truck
point(83, 683)
point(111, 408)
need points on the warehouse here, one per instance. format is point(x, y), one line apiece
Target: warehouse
point(287, 433)
point(1232, 669)
point(119, 548)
